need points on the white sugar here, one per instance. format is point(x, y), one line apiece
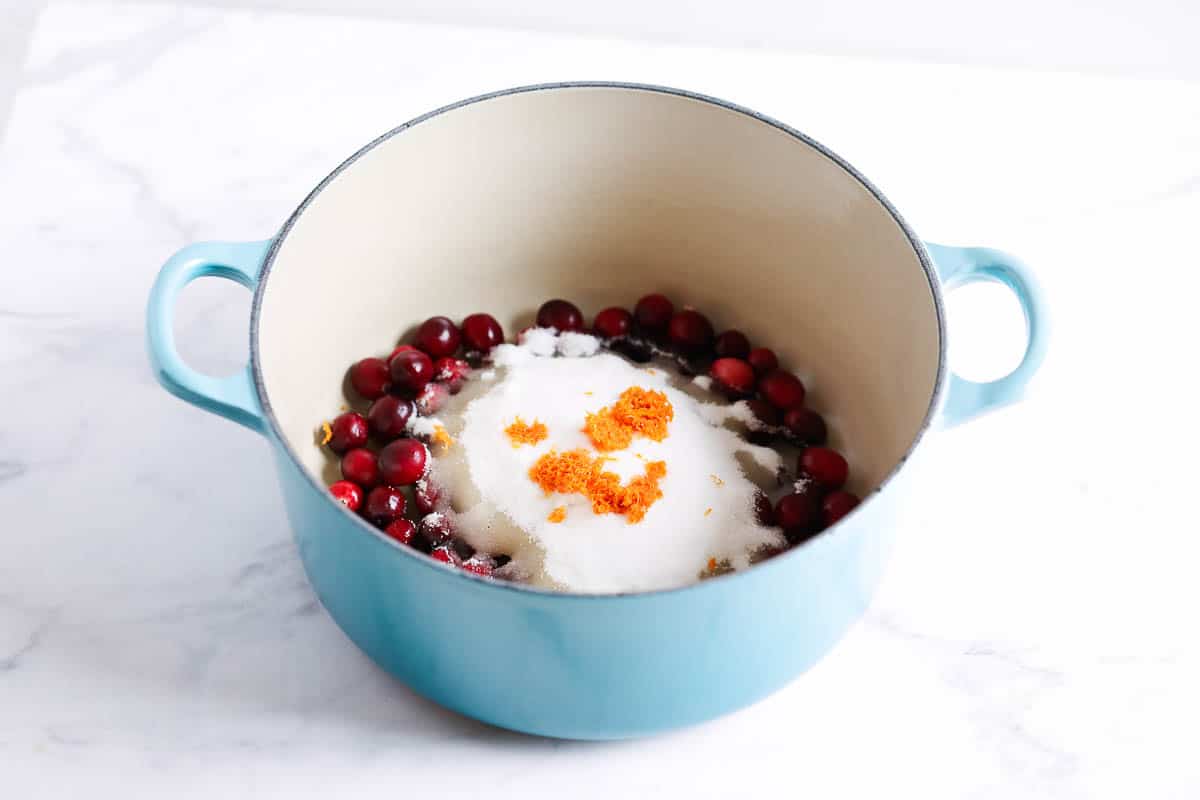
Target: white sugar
point(577, 345)
point(540, 341)
point(422, 426)
point(703, 381)
point(499, 509)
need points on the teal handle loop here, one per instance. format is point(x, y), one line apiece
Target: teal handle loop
point(233, 397)
point(958, 266)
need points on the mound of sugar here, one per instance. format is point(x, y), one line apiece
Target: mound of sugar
point(707, 507)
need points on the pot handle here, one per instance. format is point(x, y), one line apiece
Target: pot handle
point(957, 266)
point(233, 396)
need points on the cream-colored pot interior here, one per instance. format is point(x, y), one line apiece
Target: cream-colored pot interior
point(601, 194)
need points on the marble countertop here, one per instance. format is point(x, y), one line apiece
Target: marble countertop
point(1035, 636)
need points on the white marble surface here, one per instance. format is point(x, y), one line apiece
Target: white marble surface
point(1035, 637)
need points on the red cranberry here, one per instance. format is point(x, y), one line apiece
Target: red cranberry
point(763, 512)
point(733, 376)
point(401, 530)
point(410, 371)
point(431, 398)
point(436, 528)
point(384, 505)
point(731, 344)
point(837, 505)
point(347, 493)
point(403, 462)
point(613, 322)
point(480, 565)
point(561, 315)
point(764, 412)
point(763, 360)
point(653, 313)
point(361, 466)
point(799, 515)
point(438, 336)
point(400, 348)
point(690, 331)
point(781, 389)
point(482, 332)
point(370, 377)
point(428, 496)
point(806, 424)
point(388, 416)
point(347, 431)
point(446, 555)
point(451, 371)
point(825, 466)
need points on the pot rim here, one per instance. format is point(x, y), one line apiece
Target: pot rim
point(508, 586)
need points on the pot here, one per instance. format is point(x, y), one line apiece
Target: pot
point(597, 192)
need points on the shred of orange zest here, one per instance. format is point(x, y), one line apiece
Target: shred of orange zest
point(707, 511)
point(712, 564)
point(520, 432)
point(326, 433)
point(717, 481)
point(442, 437)
point(589, 394)
point(638, 411)
point(578, 472)
point(558, 514)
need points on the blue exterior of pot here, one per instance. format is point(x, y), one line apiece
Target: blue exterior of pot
point(580, 666)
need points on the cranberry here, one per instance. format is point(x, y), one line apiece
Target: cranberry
point(436, 528)
point(763, 360)
point(438, 336)
point(731, 344)
point(799, 515)
point(428, 496)
point(401, 530)
point(763, 512)
point(480, 565)
point(764, 412)
point(613, 322)
point(347, 493)
point(781, 389)
point(690, 331)
point(347, 431)
point(825, 466)
point(561, 315)
point(837, 505)
point(400, 348)
point(432, 398)
point(806, 424)
point(733, 376)
point(370, 377)
point(635, 351)
point(384, 505)
point(482, 332)
point(403, 462)
point(388, 416)
point(452, 372)
point(653, 313)
point(361, 466)
point(410, 371)
point(446, 555)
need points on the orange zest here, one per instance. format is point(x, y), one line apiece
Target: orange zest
point(578, 472)
point(707, 511)
point(441, 437)
point(558, 514)
point(637, 412)
point(521, 432)
point(326, 432)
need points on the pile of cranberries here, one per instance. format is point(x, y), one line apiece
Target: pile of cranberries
point(382, 462)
